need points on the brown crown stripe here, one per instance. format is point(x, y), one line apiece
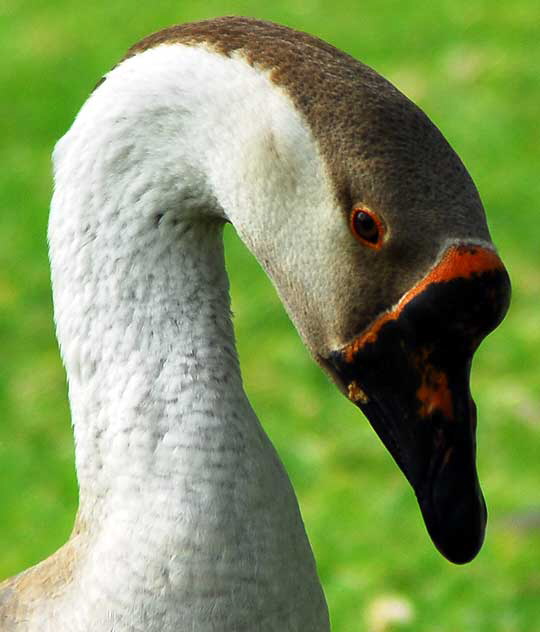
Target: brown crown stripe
point(457, 262)
point(363, 125)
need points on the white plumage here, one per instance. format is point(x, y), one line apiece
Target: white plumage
point(184, 502)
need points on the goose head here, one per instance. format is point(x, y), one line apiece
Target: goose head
point(393, 287)
point(376, 239)
point(399, 285)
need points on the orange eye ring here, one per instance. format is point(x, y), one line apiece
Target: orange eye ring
point(367, 228)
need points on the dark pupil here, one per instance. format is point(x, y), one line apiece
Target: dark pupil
point(366, 227)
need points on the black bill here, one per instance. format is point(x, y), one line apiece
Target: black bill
point(409, 373)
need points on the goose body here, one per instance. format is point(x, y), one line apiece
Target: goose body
point(187, 519)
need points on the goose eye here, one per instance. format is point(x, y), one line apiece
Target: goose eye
point(367, 227)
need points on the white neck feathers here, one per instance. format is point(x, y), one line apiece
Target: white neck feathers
point(183, 502)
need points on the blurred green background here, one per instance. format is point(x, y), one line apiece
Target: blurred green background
point(473, 67)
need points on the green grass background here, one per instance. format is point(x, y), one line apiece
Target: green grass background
point(474, 67)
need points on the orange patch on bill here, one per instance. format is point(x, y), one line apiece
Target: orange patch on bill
point(458, 262)
point(434, 393)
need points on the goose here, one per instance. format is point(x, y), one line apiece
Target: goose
point(376, 240)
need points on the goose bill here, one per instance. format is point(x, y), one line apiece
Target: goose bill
point(409, 373)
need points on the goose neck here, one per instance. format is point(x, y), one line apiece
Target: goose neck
point(185, 507)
